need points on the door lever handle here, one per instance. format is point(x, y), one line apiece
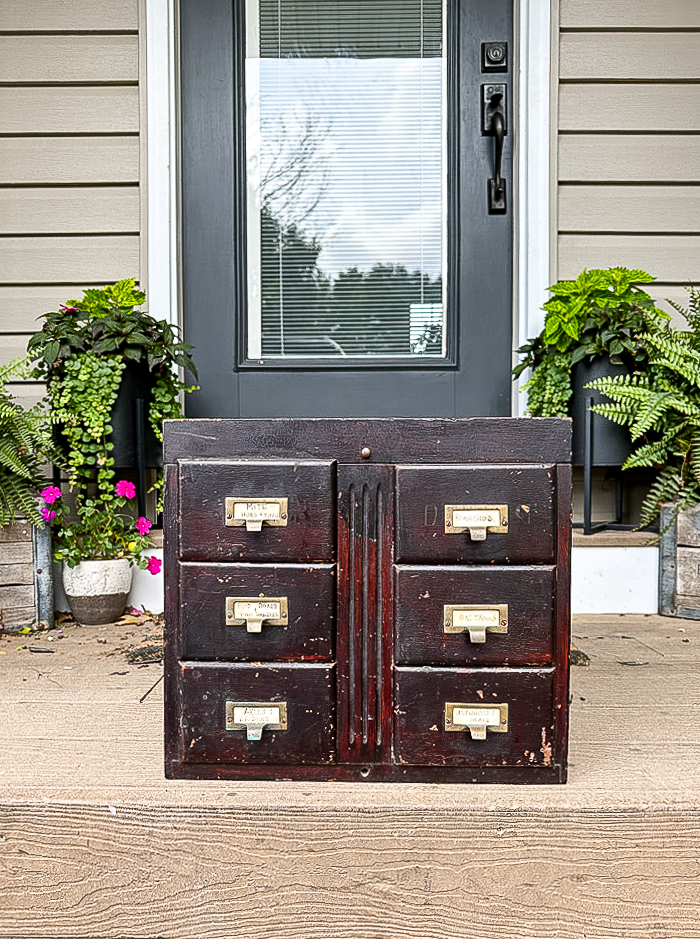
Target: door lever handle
point(497, 185)
point(494, 110)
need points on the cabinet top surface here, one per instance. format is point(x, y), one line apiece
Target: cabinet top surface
point(375, 440)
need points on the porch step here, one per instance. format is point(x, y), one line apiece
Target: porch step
point(94, 842)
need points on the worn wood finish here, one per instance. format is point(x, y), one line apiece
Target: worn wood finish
point(365, 640)
point(422, 493)
point(629, 55)
point(422, 592)
point(629, 208)
point(308, 636)
point(80, 210)
point(16, 573)
point(296, 460)
point(309, 693)
point(43, 59)
point(641, 158)
point(68, 15)
point(17, 596)
point(69, 160)
point(17, 531)
point(421, 737)
point(670, 257)
point(468, 440)
point(310, 531)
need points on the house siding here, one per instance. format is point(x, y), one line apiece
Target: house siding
point(70, 157)
point(628, 124)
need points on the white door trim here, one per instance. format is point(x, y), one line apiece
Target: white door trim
point(532, 165)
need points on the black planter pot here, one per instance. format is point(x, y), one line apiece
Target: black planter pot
point(127, 415)
point(611, 444)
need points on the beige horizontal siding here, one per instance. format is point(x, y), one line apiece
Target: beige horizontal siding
point(634, 107)
point(604, 56)
point(78, 210)
point(69, 160)
point(629, 14)
point(13, 347)
point(69, 59)
point(629, 208)
point(629, 158)
point(88, 259)
point(21, 307)
point(662, 295)
point(61, 110)
point(669, 258)
point(26, 393)
point(68, 15)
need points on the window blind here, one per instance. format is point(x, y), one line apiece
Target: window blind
point(345, 144)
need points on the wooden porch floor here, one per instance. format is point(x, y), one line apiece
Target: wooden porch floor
point(95, 843)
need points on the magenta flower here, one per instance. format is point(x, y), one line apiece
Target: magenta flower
point(126, 489)
point(143, 525)
point(154, 565)
point(47, 514)
point(51, 494)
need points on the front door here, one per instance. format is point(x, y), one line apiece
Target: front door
point(346, 225)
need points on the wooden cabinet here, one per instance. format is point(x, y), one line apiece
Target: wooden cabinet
point(381, 600)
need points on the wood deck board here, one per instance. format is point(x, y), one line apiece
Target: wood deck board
point(105, 847)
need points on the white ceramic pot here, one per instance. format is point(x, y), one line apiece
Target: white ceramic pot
point(97, 590)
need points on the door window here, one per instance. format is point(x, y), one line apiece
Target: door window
point(346, 181)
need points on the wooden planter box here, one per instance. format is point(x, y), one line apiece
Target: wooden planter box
point(26, 577)
point(679, 563)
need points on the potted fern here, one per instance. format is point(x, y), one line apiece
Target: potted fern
point(661, 408)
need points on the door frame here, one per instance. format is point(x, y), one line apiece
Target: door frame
point(535, 27)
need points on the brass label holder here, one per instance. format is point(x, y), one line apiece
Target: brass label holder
point(255, 512)
point(476, 519)
point(476, 718)
point(256, 716)
point(252, 612)
point(477, 619)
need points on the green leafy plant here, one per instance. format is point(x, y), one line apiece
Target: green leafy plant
point(661, 407)
point(98, 528)
point(81, 352)
point(25, 443)
point(601, 313)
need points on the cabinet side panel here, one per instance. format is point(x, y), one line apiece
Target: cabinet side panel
point(563, 617)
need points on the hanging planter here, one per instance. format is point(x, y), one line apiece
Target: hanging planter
point(97, 591)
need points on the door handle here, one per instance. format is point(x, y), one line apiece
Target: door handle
point(493, 124)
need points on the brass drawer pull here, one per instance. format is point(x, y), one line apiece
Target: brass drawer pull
point(254, 513)
point(255, 716)
point(476, 519)
point(254, 611)
point(477, 619)
point(477, 718)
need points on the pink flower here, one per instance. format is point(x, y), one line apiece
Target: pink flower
point(126, 489)
point(154, 565)
point(47, 514)
point(51, 494)
point(143, 525)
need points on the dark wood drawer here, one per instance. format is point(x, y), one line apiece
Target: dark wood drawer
point(422, 593)
point(306, 633)
point(305, 530)
point(303, 694)
point(424, 492)
point(421, 734)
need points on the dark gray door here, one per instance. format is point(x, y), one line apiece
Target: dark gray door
point(346, 236)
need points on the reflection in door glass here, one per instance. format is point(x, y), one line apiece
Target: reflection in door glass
point(346, 214)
